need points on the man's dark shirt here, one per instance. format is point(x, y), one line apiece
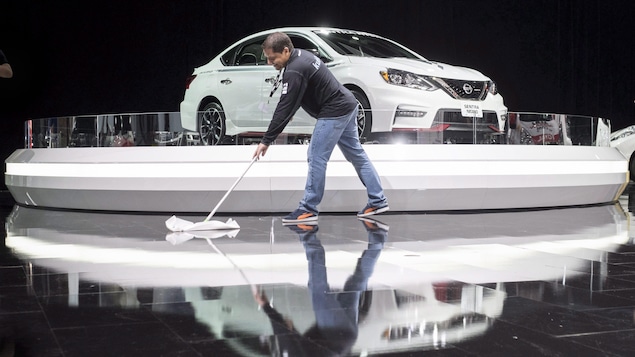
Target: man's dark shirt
point(307, 83)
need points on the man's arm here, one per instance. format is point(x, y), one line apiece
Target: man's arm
point(286, 108)
point(6, 71)
point(293, 88)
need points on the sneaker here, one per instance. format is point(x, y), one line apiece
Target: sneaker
point(300, 216)
point(371, 210)
point(373, 225)
point(303, 228)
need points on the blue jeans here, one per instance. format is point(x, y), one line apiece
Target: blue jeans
point(337, 312)
point(327, 133)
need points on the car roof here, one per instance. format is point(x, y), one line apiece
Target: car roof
point(312, 29)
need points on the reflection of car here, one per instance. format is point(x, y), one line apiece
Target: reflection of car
point(624, 141)
point(398, 89)
point(390, 320)
point(538, 129)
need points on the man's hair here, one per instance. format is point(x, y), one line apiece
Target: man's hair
point(277, 41)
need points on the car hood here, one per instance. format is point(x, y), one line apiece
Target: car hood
point(423, 67)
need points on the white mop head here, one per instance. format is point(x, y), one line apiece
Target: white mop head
point(176, 224)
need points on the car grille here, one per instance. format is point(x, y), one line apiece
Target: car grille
point(461, 89)
point(454, 117)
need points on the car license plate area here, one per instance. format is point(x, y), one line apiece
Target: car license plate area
point(471, 109)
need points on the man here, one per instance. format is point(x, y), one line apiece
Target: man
point(307, 82)
point(5, 67)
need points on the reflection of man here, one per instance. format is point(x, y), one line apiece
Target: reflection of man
point(5, 68)
point(336, 313)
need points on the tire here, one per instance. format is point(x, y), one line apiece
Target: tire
point(364, 116)
point(631, 167)
point(211, 124)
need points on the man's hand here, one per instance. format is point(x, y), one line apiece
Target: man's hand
point(261, 150)
point(259, 296)
point(6, 71)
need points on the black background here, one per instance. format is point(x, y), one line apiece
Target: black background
point(90, 57)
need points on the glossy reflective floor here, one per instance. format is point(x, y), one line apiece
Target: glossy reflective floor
point(557, 282)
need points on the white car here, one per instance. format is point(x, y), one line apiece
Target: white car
point(624, 141)
point(398, 90)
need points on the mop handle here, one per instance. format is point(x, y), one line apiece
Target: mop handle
point(230, 190)
point(253, 287)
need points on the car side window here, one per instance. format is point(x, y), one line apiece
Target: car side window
point(228, 57)
point(251, 54)
point(246, 54)
point(307, 45)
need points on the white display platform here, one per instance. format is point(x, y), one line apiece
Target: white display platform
point(415, 178)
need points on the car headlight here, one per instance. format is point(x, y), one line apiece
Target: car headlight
point(407, 79)
point(628, 132)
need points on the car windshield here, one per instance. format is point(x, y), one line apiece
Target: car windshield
point(356, 44)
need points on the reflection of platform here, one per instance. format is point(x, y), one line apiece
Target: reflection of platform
point(415, 177)
point(414, 300)
point(133, 249)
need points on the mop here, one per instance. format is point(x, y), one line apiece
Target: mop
point(253, 287)
point(181, 237)
point(176, 224)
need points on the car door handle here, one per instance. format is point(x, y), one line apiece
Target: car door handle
point(271, 80)
point(226, 81)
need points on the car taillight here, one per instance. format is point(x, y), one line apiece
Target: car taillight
point(189, 80)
